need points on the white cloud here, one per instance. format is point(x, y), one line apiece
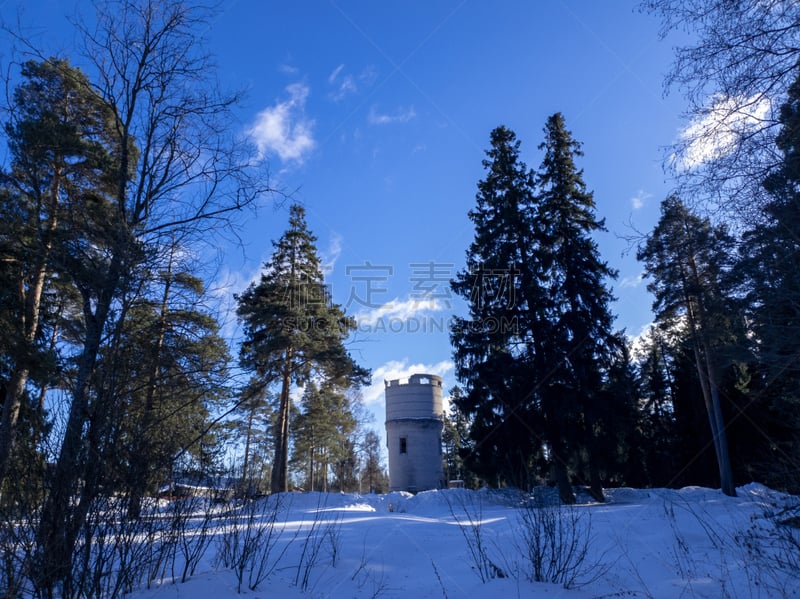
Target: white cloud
point(631, 282)
point(368, 75)
point(332, 77)
point(401, 115)
point(397, 310)
point(284, 129)
point(399, 369)
point(715, 134)
point(343, 84)
point(228, 284)
point(330, 257)
point(638, 200)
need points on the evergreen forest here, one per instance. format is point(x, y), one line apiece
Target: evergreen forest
point(116, 382)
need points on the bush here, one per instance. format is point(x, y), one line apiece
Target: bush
point(553, 541)
point(249, 538)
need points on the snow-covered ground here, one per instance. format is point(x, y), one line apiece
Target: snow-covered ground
point(692, 542)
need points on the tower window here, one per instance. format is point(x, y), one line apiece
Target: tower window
point(403, 445)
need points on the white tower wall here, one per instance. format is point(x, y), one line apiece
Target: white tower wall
point(414, 432)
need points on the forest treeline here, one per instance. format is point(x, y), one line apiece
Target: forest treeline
point(121, 177)
point(708, 396)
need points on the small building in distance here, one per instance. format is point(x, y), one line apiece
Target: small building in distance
point(414, 432)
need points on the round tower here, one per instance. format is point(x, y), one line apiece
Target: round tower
point(414, 432)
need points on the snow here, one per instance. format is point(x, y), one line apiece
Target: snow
point(691, 542)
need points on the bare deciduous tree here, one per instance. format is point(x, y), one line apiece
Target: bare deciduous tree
point(735, 71)
point(176, 174)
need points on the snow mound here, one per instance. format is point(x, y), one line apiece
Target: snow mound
point(627, 495)
point(442, 501)
point(388, 502)
point(439, 501)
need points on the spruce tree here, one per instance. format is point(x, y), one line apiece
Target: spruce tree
point(491, 346)
point(293, 331)
point(657, 423)
point(531, 352)
point(772, 264)
point(579, 332)
point(619, 446)
point(456, 443)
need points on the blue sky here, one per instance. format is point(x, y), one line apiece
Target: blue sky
point(377, 115)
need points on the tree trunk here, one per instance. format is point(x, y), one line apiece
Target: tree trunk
point(713, 405)
point(54, 537)
point(311, 463)
point(141, 454)
point(562, 476)
point(721, 438)
point(595, 481)
point(708, 384)
point(280, 465)
point(324, 472)
point(246, 461)
point(31, 308)
point(61, 521)
point(8, 428)
point(586, 391)
point(562, 481)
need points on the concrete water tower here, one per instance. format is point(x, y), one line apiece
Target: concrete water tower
point(414, 432)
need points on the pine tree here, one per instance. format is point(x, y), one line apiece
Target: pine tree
point(253, 421)
point(163, 169)
point(579, 321)
point(689, 260)
point(171, 371)
point(696, 457)
point(323, 435)
point(373, 471)
point(292, 330)
point(58, 144)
